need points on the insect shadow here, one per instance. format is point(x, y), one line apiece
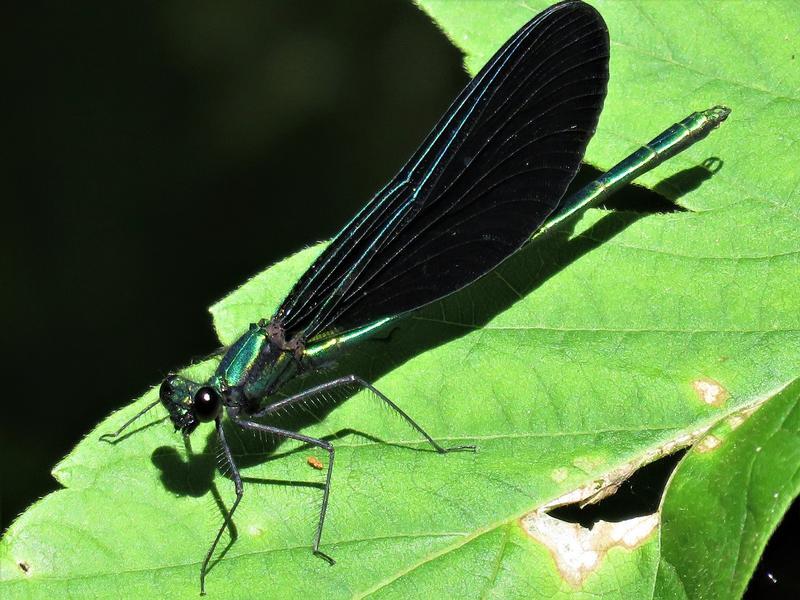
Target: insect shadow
point(441, 322)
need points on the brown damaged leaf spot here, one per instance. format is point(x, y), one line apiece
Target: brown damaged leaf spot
point(708, 443)
point(559, 475)
point(737, 418)
point(578, 551)
point(711, 392)
point(588, 463)
point(717, 434)
point(606, 484)
point(603, 488)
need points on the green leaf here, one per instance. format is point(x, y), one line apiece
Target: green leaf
point(729, 495)
point(586, 355)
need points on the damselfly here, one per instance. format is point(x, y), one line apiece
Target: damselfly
point(493, 173)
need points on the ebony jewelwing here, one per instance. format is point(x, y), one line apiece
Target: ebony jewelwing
point(491, 174)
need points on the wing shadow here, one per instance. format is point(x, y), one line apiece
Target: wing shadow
point(405, 338)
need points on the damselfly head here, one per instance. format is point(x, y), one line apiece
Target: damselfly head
point(189, 403)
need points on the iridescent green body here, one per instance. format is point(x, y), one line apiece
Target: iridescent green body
point(664, 146)
point(331, 344)
point(491, 174)
point(265, 357)
point(240, 358)
point(256, 365)
point(254, 369)
point(260, 361)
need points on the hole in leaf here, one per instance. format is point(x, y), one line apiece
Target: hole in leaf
point(637, 496)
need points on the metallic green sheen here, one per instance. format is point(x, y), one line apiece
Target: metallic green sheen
point(275, 366)
point(238, 361)
point(334, 343)
point(664, 146)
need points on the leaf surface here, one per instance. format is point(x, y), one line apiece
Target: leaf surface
point(596, 349)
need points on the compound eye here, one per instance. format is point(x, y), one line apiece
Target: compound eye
point(167, 388)
point(207, 403)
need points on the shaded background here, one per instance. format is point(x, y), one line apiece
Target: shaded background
point(163, 152)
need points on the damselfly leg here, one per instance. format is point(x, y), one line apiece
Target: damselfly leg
point(108, 437)
point(349, 381)
point(237, 482)
point(296, 400)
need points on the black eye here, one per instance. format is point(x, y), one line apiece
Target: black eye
point(206, 404)
point(167, 388)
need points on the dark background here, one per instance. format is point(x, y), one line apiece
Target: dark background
point(163, 152)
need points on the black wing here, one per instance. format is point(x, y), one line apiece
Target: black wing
point(489, 174)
